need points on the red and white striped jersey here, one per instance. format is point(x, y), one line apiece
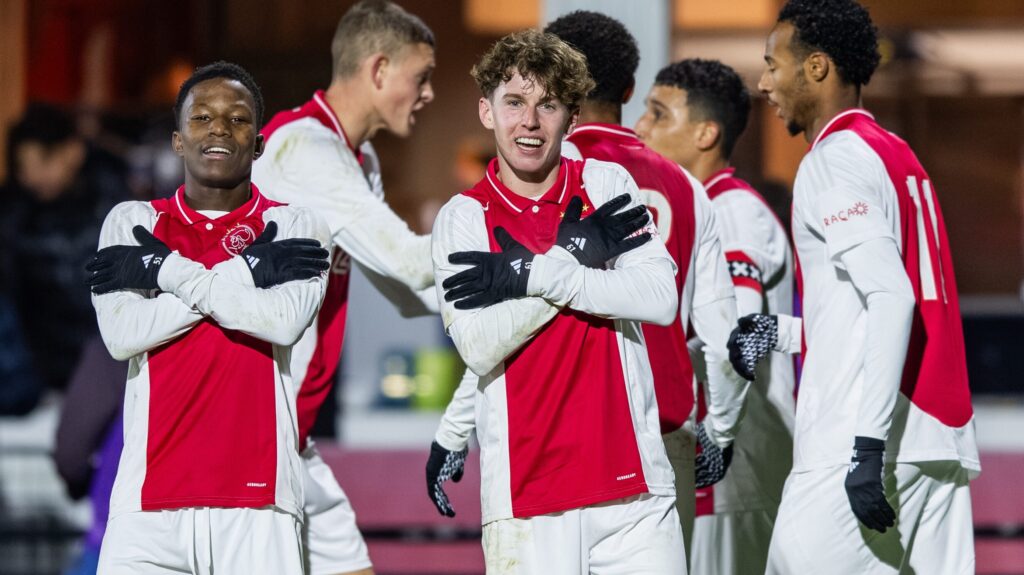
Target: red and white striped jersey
point(686, 223)
point(761, 265)
point(309, 162)
point(209, 407)
point(566, 413)
point(860, 183)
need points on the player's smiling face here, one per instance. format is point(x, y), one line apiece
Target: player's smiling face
point(666, 126)
point(528, 127)
point(784, 81)
point(217, 134)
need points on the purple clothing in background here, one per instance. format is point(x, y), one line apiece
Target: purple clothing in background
point(108, 458)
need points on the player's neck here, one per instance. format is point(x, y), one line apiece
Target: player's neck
point(600, 113)
point(528, 184)
point(707, 165)
point(201, 197)
point(353, 109)
point(837, 101)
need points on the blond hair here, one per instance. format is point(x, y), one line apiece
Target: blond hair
point(373, 26)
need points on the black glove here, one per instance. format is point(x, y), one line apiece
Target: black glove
point(864, 485)
point(494, 277)
point(127, 267)
point(754, 338)
point(712, 462)
point(443, 465)
point(274, 263)
point(604, 234)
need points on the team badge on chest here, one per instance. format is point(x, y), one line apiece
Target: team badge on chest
point(238, 238)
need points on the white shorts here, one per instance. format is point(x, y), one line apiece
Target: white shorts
point(816, 531)
point(330, 537)
point(639, 535)
point(731, 543)
point(681, 446)
point(202, 541)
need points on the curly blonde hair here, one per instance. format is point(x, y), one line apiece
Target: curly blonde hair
point(551, 63)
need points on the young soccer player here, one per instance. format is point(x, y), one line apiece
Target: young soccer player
point(196, 294)
point(695, 112)
point(546, 282)
point(319, 155)
point(884, 443)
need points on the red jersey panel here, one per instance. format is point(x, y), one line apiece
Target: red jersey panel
point(571, 369)
point(211, 383)
point(669, 197)
point(330, 323)
point(935, 372)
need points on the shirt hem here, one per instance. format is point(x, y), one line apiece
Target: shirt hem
point(967, 463)
point(591, 499)
point(221, 502)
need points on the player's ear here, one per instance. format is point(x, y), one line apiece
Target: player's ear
point(817, 66)
point(628, 95)
point(574, 118)
point(708, 135)
point(258, 148)
point(378, 65)
point(486, 111)
point(176, 143)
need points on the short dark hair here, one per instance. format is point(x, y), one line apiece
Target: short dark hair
point(553, 64)
point(221, 69)
point(714, 92)
point(611, 51)
point(842, 29)
point(43, 123)
point(374, 26)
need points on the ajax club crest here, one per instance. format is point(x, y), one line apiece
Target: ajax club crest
point(238, 238)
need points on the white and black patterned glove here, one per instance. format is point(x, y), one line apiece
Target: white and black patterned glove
point(712, 462)
point(443, 465)
point(752, 340)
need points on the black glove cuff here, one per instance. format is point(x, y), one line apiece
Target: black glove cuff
point(867, 446)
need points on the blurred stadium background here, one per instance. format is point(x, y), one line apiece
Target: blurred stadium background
point(951, 83)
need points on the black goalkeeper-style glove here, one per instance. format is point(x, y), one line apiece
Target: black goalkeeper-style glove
point(753, 339)
point(274, 263)
point(127, 267)
point(443, 465)
point(864, 485)
point(712, 462)
point(604, 234)
point(494, 277)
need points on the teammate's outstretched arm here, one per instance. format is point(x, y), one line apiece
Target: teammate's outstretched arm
point(451, 443)
point(483, 336)
point(360, 222)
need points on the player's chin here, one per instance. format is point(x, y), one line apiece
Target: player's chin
point(221, 180)
point(402, 128)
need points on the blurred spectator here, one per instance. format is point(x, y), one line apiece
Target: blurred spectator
point(90, 437)
point(59, 190)
point(19, 390)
